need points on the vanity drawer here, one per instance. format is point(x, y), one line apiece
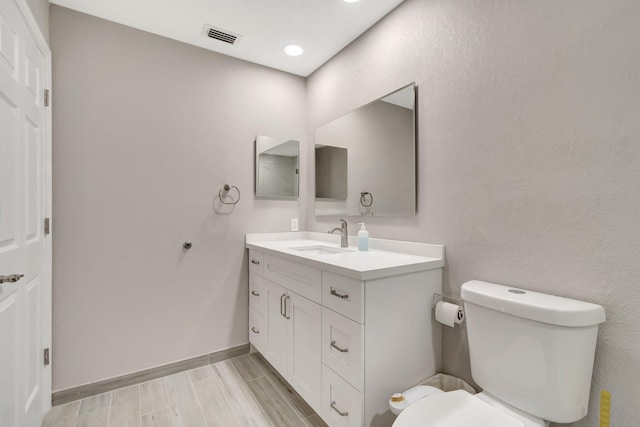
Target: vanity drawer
point(344, 295)
point(257, 330)
point(257, 294)
point(342, 405)
point(342, 345)
point(255, 262)
point(299, 278)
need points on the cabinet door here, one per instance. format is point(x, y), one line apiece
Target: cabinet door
point(277, 327)
point(342, 347)
point(257, 330)
point(304, 361)
point(342, 405)
point(257, 295)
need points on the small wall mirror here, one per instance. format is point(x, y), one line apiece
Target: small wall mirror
point(365, 160)
point(277, 163)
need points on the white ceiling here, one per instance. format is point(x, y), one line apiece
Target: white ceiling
point(321, 27)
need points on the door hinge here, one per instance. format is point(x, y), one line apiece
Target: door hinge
point(46, 356)
point(47, 227)
point(46, 97)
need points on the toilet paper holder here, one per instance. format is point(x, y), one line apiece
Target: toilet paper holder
point(438, 298)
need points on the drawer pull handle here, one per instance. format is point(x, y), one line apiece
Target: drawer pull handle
point(254, 330)
point(255, 261)
point(342, 414)
point(286, 316)
point(336, 294)
point(255, 294)
point(341, 350)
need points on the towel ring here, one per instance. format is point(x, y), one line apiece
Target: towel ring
point(363, 199)
point(226, 189)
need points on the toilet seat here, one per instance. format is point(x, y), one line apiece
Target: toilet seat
point(454, 409)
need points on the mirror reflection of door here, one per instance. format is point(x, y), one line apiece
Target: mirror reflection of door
point(331, 173)
point(332, 178)
point(277, 167)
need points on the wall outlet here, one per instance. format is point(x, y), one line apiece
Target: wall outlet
point(294, 224)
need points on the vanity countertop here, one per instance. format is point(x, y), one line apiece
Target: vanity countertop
point(385, 257)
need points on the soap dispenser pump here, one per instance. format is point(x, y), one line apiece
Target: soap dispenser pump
point(363, 238)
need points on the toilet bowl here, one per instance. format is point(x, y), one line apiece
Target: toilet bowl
point(401, 401)
point(462, 409)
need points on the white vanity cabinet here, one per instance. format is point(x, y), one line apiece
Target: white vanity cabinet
point(292, 329)
point(346, 336)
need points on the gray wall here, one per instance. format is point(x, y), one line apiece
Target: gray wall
point(40, 10)
point(529, 154)
point(146, 130)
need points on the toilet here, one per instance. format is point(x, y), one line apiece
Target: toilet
point(531, 353)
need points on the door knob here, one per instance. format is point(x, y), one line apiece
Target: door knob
point(12, 278)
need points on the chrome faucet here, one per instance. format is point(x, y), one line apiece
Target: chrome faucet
point(344, 235)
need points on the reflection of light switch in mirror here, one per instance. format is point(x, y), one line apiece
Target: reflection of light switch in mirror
point(277, 163)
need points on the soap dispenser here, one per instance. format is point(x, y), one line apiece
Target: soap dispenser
point(363, 238)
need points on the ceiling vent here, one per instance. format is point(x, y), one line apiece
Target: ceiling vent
point(220, 34)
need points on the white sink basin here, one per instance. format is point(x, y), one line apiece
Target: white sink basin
point(320, 250)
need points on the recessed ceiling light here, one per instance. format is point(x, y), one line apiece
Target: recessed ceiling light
point(350, 1)
point(293, 50)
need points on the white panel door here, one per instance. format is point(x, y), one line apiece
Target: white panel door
point(304, 361)
point(8, 358)
point(23, 248)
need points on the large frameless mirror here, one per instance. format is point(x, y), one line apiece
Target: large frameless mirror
point(277, 163)
point(365, 160)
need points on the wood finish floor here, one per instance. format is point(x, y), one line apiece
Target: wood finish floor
point(243, 391)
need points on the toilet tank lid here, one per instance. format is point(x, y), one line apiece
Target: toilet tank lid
point(531, 305)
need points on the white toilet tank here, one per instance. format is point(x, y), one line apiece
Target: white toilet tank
point(531, 350)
